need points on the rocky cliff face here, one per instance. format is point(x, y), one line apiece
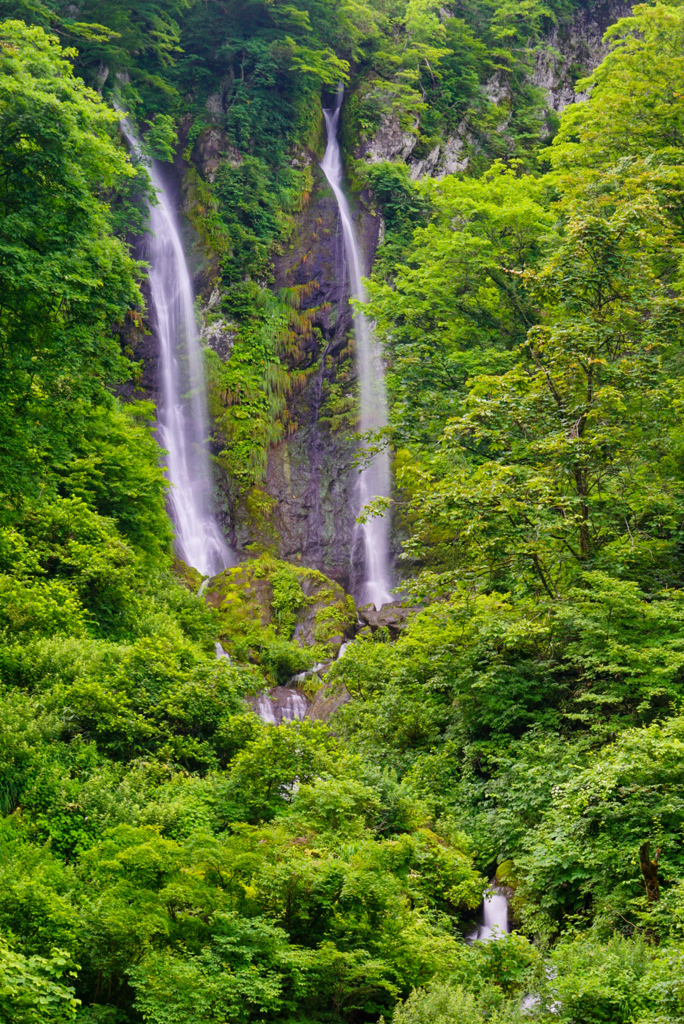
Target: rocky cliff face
point(307, 489)
point(574, 50)
point(569, 52)
point(310, 474)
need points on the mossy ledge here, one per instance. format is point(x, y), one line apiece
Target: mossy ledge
point(280, 616)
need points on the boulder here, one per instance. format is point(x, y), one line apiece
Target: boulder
point(394, 617)
point(301, 604)
point(327, 700)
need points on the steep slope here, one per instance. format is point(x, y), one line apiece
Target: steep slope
point(299, 500)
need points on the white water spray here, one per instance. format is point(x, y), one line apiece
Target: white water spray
point(374, 480)
point(182, 414)
point(494, 916)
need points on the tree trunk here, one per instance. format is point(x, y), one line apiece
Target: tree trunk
point(649, 869)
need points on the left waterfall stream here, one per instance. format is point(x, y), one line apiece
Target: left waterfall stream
point(182, 416)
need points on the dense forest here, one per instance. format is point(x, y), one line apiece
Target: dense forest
point(167, 857)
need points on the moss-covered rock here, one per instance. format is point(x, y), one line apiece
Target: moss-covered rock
point(187, 575)
point(280, 616)
point(328, 699)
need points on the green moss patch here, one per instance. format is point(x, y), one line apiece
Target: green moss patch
point(280, 616)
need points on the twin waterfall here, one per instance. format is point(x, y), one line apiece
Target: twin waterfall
point(374, 480)
point(182, 413)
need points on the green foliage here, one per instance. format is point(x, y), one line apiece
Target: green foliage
point(233, 978)
point(599, 820)
point(637, 107)
point(538, 476)
point(161, 139)
point(113, 472)
point(126, 46)
point(403, 209)
point(165, 857)
point(253, 203)
point(440, 1004)
point(33, 989)
point(280, 616)
point(63, 277)
point(248, 394)
point(456, 307)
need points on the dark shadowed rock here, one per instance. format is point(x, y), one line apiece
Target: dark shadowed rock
point(394, 617)
point(310, 474)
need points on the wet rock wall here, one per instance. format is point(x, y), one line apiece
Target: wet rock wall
point(310, 474)
point(310, 477)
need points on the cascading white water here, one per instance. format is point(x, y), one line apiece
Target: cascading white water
point(374, 480)
point(494, 917)
point(182, 414)
point(281, 704)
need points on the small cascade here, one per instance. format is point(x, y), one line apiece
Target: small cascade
point(374, 480)
point(293, 706)
point(281, 704)
point(264, 709)
point(494, 917)
point(182, 414)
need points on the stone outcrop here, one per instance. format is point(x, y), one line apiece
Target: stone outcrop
point(390, 141)
point(211, 149)
point(310, 475)
point(569, 52)
point(216, 331)
point(448, 157)
point(303, 604)
point(328, 699)
point(319, 617)
point(393, 617)
point(574, 50)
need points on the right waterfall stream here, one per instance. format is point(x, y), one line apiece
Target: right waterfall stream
point(374, 479)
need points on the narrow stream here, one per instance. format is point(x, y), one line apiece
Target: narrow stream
point(374, 480)
point(182, 413)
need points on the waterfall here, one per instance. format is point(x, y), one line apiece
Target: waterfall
point(182, 413)
point(281, 704)
point(374, 479)
point(494, 917)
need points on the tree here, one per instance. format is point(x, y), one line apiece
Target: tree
point(63, 278)
point(33, 989)
point(569, 458)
